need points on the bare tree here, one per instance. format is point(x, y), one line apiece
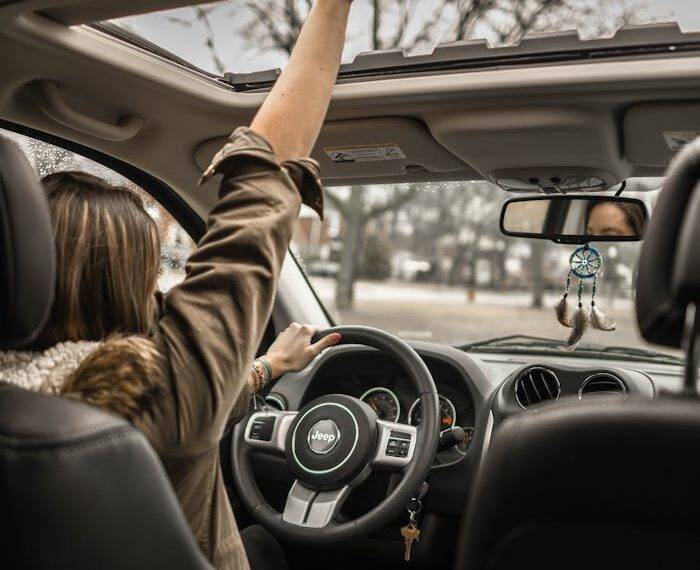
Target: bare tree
point(419, 24)
point(204, 15)
point(453, 221)
point(357, 211)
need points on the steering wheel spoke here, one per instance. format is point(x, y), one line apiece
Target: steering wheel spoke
point(267, 430)
point(396, 445)
point(313, 508)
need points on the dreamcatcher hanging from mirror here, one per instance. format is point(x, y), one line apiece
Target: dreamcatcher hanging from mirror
point(585, 264)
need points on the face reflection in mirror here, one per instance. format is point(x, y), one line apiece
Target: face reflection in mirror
point(575, 219)
point(615, 219)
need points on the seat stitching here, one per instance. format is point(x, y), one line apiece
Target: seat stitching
point(69, 447)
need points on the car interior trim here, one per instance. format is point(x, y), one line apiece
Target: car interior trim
point(178, 208)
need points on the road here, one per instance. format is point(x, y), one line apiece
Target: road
point(443, 314)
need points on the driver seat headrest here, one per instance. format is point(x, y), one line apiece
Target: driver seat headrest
point(27, 255)
point(669, 267)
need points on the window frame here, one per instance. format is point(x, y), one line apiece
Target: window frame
point(300, 267)
point(174, 204)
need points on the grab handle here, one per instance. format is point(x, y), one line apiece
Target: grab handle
point(53, 104)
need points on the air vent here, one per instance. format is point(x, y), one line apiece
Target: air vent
point(602, 384)
point(535, 385)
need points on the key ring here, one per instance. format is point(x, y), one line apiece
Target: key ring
point(414, 507)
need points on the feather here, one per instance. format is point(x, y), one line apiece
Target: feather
point(579, 323)
point(600, 321)
point(562, 311)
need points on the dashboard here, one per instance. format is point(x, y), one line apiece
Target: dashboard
point(477, 391)
point(382, 384)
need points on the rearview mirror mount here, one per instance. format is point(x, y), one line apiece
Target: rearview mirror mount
point(575, 219)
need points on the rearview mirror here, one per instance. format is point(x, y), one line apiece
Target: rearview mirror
point(575, 219)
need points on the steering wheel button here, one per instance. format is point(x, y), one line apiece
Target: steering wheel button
point(262, 429)
point(400, 435)
point(266, 431)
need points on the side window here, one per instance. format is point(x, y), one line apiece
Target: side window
point(176, 243)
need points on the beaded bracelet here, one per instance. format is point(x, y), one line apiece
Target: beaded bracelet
point(263, 373)
point(268, 367)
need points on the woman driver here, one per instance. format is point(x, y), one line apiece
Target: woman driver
point(194, 372)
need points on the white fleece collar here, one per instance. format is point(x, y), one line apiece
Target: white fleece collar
point(44, 371)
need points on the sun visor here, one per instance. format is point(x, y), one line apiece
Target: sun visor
point(654, 132)
point(541, 144)
point(386, 149)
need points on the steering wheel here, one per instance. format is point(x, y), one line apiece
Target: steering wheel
point(332, 444)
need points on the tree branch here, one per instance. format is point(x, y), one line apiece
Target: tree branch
point(295, 22)
point(405, 8)
point(525, 23)
point(469, 16)
point(338, 203)
point(376, 23)
point(427, 31)
point(398, 200)
point(202, 15)
point(279, 37)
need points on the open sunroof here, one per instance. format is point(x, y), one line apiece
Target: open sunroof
point(246, 40)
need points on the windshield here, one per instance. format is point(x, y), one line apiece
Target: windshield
point(251, 35)
point(428, 261)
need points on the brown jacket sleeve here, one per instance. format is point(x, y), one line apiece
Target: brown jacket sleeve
point(212, 323)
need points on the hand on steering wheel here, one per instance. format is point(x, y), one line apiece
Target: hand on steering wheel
point(332, 444)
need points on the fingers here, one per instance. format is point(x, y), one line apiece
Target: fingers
point(325, 342)
point(307, 330)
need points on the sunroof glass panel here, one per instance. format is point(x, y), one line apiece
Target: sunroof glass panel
point(250, 35)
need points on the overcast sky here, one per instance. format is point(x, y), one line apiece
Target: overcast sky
point(239, 56)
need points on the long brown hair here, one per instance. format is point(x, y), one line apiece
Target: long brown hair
point(107, 256)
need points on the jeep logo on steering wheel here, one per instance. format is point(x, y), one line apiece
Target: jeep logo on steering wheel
point(323, 436)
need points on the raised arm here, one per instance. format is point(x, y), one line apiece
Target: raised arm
point(212, 323)
point(292, 115)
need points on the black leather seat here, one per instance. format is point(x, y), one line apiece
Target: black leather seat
point(606, 483)
point(589, 485)
point(78, 488)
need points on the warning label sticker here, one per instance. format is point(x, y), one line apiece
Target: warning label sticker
point(385, 151)
point(676, 140)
